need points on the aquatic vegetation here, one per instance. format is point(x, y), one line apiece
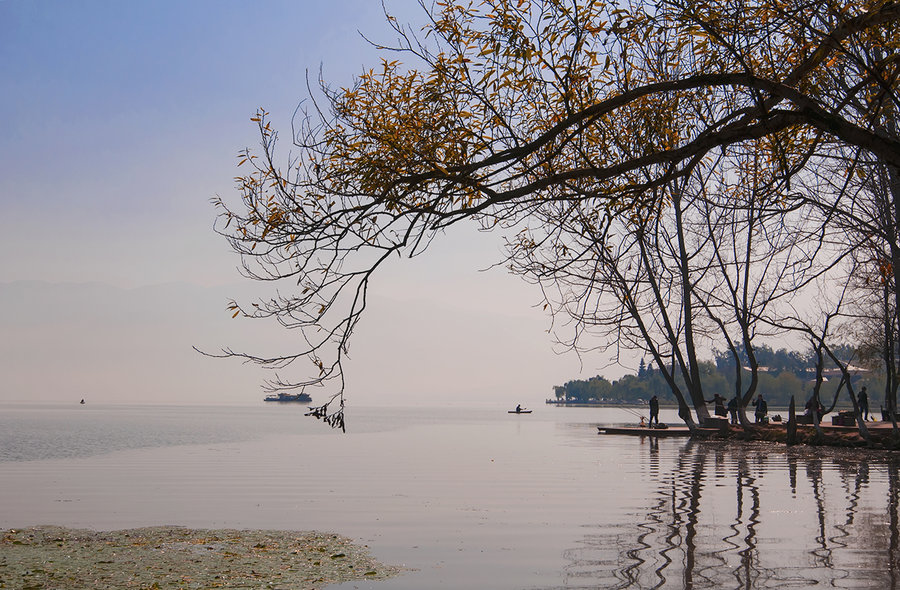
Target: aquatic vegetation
point(177, 557)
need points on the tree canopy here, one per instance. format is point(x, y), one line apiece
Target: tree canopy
point(667, 171)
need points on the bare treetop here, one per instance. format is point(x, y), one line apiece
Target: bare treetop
point(565, 123)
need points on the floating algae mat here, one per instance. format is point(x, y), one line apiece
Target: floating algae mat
point(50, 558)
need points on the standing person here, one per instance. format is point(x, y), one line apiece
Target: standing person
point(733, 409)
point(863, 401)
point(762, 408)
point(720, 405)
point(654, 411)
point(813, 405)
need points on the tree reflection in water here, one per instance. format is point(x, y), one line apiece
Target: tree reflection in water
point(742, 515)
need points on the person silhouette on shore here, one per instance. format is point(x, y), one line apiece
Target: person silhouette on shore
point(733, 409)
point(762, 408)
point(654, 411)
point(863, 401)
point(719, 402)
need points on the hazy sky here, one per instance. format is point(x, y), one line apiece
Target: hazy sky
point(120, 120)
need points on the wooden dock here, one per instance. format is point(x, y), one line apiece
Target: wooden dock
point(670, 432)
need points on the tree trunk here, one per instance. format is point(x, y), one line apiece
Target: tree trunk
point(694, 386)
point(792, 424)
point(894, 227)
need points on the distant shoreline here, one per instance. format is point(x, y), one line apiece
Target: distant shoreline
point(667, 406)
point(629, 405)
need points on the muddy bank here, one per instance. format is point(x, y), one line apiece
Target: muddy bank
point(50, 558)
point(881, 435)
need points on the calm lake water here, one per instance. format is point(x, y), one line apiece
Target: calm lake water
point(469, 498)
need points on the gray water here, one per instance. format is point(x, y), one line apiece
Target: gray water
point(469, 498)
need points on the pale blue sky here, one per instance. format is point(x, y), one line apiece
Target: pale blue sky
point(119, 121)
point(121, 118)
